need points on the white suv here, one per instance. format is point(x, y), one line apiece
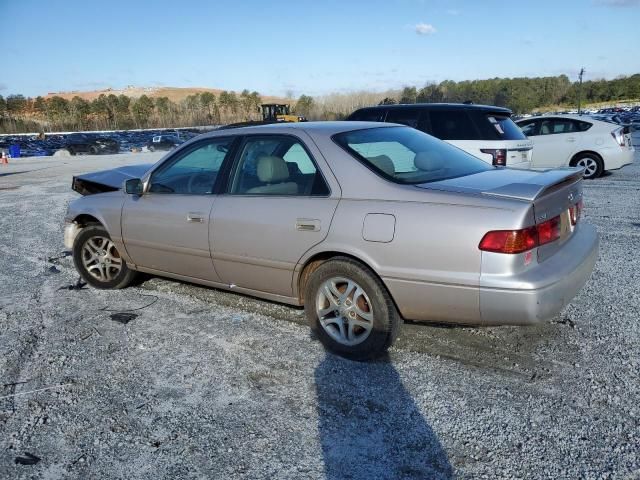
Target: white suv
point(486, 132)
point(573, 140)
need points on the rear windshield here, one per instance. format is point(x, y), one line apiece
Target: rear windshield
point(405, 155)
point(499, 127)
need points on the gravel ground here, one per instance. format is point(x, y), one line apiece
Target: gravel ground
point(208, 384)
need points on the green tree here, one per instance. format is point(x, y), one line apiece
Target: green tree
point(304, 105)
point(142, 109)
point(79, 109)
point(16, 104)
point(208, 102)
point(408, 95)
point(39, 105)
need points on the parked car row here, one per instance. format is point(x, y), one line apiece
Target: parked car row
point(489, 133)
point(97, 143)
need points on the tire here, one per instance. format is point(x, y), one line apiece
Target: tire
point(593, 165)
point(367, 302)
point(151, 148)
point(98, 261)
point(93, 150)
point(71, 151)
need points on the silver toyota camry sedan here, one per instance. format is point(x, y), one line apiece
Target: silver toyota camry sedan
point(365, 224)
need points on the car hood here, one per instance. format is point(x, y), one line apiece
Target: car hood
point(506, 182)
point(107, 180)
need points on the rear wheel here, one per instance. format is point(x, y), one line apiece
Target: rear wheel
point(151, 148)
point(93, 150)
point(350, 310)
point(592, 164)
point(71, 151)
point(98, 261)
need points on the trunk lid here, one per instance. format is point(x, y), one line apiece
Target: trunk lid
point(552, 193)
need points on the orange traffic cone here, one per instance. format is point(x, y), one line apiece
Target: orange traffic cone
point(5, 160)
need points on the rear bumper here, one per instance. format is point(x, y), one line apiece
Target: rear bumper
point(617, 158)
point(540, 293)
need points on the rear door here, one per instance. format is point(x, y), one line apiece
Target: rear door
point(167, 228)
point(278, 205)
point(555, 142)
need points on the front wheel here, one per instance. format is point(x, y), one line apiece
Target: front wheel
point(98, 261)
point(350, 310)
point(592, 164)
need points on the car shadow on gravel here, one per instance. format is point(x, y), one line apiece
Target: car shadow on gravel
point(370, 426)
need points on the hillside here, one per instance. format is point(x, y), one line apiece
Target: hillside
point(175, 94)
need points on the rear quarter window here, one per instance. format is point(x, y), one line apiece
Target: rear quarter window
point(495, 126)
point(584, 126)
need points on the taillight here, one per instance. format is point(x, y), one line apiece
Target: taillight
point(499, 156)
point(549, 231)
point(618, 136)
point(518, 241)
point(575, 211)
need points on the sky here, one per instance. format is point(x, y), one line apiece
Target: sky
point(308, 47)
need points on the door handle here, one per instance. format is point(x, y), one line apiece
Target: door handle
point(571, 139)
point(195, 217)
point(307, 225)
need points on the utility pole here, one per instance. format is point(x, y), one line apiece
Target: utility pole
point(580, 88)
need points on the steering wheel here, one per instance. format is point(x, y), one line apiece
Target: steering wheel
point(200, 182)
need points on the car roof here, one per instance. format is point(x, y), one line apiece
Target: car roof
point(442, 106)
point(569, 116)
point(314, 128)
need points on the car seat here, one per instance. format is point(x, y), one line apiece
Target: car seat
point(273, 173)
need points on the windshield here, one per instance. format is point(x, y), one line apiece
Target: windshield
point(406, 155)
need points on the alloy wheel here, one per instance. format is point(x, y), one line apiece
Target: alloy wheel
point(344, 311)
point(590, 166)
point(101, 259)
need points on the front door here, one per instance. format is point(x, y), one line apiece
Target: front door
point(167, 228)
point(278, 205)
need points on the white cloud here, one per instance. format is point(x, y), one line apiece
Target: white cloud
point(425, 29)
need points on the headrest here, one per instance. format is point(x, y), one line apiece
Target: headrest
point(272, 169)
point(384, 163)
point(429, 161)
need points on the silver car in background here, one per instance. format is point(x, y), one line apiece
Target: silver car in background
point(365, 224)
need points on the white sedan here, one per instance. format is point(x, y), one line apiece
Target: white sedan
point(578, 140)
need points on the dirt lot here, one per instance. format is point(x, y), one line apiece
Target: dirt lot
point(209, 384)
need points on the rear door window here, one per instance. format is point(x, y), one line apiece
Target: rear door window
point(452, 125)
point(556, 126)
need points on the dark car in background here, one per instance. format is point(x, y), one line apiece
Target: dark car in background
point(486, 132)
point(85, 144)
point(163, 142)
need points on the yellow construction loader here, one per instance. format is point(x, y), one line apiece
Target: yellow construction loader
point(279, 112)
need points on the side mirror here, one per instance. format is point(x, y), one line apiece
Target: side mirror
point(133, 186)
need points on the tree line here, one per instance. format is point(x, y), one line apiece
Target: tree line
point(119, 112)
point(522, 95)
